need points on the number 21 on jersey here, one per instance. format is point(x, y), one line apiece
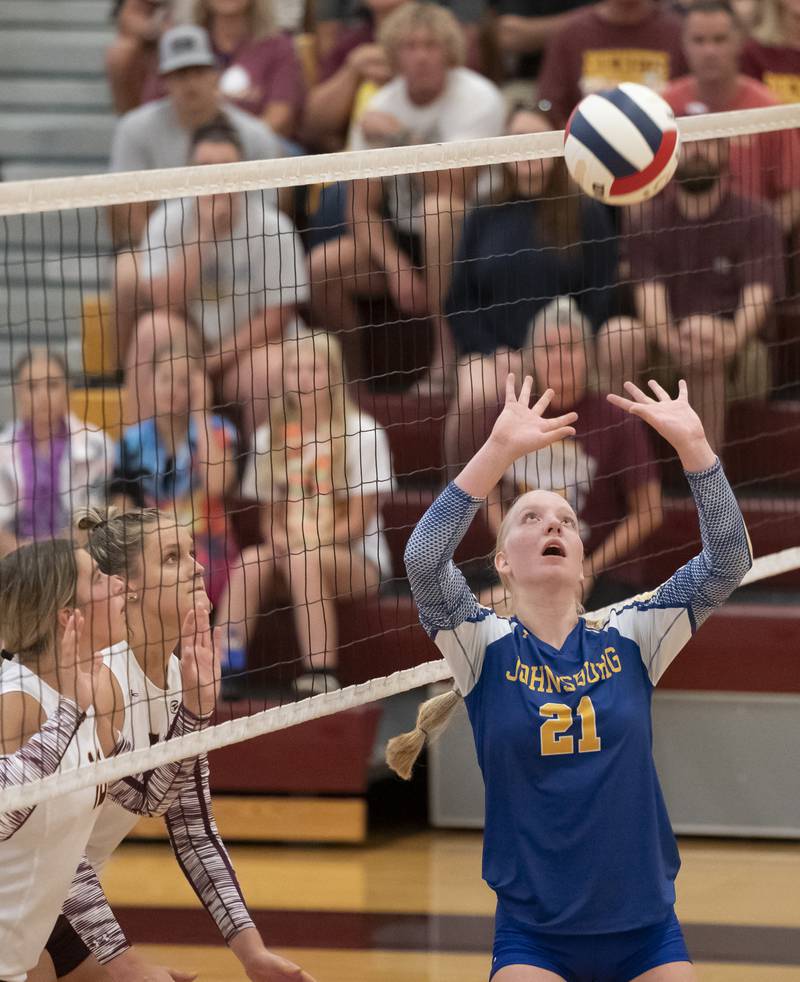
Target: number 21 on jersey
point(553, 736)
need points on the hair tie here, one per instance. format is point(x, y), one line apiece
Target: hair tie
point(423, 731)
point(7, 655)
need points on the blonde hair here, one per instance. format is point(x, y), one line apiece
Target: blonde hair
point(285, 411)
point(36, 581)
point(433, 718)
point(769, 29)
point(441, 23)
point(260, 15)
point(115, 539)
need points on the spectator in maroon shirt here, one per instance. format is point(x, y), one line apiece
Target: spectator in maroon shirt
point(708, 267)
point(772, 54)
point(762, 166)
point(611, 42)
point(607, 472)
point(260, 70)
point(351, 72)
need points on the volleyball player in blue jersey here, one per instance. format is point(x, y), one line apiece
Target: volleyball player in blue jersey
point(578, 845)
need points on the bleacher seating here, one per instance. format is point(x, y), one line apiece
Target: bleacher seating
point(56, 120)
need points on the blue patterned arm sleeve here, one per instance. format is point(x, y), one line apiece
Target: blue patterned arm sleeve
point(440, 590)
point(663, 622)
point(707, 581)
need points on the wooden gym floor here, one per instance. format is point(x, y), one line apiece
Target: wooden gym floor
point(412, 908)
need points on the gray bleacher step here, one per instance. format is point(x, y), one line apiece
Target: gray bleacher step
point(37, 170)
point(48, 307)
point(81, 232)
point(89, 274)
point(81, 94)
point(41, 53)
point(56, 13)
point(49, 135)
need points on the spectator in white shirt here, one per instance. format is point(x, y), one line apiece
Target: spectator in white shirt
point(229, 268)
point(431, 99)
point(318, 469)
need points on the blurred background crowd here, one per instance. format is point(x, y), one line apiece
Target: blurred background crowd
point(256, 396)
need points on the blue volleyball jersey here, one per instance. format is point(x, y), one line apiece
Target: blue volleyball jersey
point(577, 836)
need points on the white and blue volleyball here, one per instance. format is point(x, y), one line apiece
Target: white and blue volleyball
point(622, 146)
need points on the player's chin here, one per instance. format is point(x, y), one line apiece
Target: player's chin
point(196, 598)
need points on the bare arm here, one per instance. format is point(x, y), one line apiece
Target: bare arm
point(354, 517)
point(8, 542)
point(370, 231)
point(280, 117)
point(330, 103)
point(652, 306)
point(265, 327)
point(754, 308)
point(523, 35)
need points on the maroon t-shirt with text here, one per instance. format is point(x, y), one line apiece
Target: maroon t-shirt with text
point(610, 457)
point(706, 264)
point(589, 54)
point(778, 67)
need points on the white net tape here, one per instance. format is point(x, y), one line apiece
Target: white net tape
point(282, 717)
point(28, 197)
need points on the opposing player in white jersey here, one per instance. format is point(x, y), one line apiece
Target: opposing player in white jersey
point(57, 609)
point(164, 584)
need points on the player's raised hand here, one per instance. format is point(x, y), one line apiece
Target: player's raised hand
point(200, 672)
point(521, 428)
point(77, 676)
point(674, 419)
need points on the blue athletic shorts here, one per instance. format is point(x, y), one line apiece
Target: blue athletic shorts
point(588, 957)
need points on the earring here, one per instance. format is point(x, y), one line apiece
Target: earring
point(133, 597)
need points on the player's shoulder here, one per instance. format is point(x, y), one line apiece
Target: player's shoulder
point(21, 717)
point(615, 615)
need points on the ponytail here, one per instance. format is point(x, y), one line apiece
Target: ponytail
point(433, 718)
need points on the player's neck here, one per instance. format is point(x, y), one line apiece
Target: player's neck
point(718, 94)
point(623, 17)
point(550, 618)
point(152, 657)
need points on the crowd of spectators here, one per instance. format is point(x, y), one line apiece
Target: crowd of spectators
point(239, 317)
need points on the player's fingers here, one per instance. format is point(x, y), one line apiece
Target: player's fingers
point(525, 391)
point(511, 388)
point(189, 626)
point(638, 396)
point(558, 421)
point(620, 402)
point(543, 401)
point(661, 393)
point(560, 434)
point(683, 389)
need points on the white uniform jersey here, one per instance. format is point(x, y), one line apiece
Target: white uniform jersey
point(149, 714)
point(39, 859)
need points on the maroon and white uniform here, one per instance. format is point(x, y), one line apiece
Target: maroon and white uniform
point(149, 718)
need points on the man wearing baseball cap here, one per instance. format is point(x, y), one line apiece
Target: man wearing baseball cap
point(158, 134)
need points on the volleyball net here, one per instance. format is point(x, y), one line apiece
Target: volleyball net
point(288, 359)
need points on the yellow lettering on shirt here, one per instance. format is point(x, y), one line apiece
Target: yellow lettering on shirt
point(783, 85)
point(611, 658)
point(513, 678)
point(523, 673)
point(607, 67)
point(553, 681)
point(537, 678)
